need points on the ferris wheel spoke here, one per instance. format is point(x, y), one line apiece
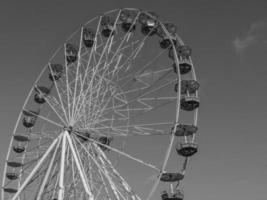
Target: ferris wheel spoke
point(140, 100)
point(54, 109)
point(134, 78)
point(114, 171)
point(104, 109)
point(115, 187)
point(59, 94)
point(138, 129)
point(105, 172)
point(123, 153)
point(50, 187)
point(89, 88)
point(84, 94)
point(124, 38)
point(67, 83)
point(104, 184)
point(109, 109)
point(77, 73)
point(140, 73)
point(44, 118)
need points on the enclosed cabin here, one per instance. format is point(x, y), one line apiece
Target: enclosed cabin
point(10, 190)
point(29, 118)
point(185, 130)
point(71, 53)
point(189, 100)
point(127, 20)
point(187, 87)
point(18, 148)
point(41, 93)
point(56, 71)
point(88, 37)
point(171, 177)
point(189, 103)
point(105, 141)
point(184, 68)
point(183, 52)
point(12, 175)
point(187, 149)
point(167, 32)
point(20, 139)
point(149, 23)
point(177, 195)
point(108, 26)
point(14, 164)
point(83, 136)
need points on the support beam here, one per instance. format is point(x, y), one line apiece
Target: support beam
point(36, 167)
point(51, 164)
point(62, 167)
point(80, 170)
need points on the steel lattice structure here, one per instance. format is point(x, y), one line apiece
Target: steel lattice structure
point(123, 75)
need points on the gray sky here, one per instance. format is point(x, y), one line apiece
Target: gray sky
point(229, 41)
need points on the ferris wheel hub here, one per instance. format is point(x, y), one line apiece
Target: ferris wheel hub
point(69, 129)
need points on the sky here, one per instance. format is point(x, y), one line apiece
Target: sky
point(229, 42)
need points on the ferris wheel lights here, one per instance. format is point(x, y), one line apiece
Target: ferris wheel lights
point(71, 53)
point(29, 118)
point(189, 103)
point(88, 37)
point(187, 149)
point(12, 175)
point(10, 190)
point(171, 177)
point(19, 149)
point(184, 67)
point(56, 71)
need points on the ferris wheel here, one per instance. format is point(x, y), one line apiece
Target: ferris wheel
point(112, 115)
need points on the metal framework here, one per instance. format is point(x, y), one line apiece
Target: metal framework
point(108, 88)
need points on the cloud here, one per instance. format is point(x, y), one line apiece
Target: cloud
point(253, 36)
point(243, 44)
